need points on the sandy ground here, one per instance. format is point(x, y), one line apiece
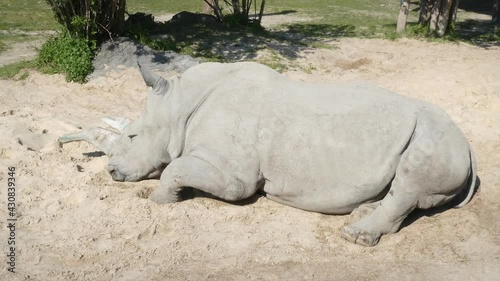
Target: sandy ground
point(75, 223)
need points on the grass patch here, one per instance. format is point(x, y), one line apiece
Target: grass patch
point(12, 70)
point(163, 7)
point(275, 61)
point(342, 17)
point(26, 15)
point(365, 18)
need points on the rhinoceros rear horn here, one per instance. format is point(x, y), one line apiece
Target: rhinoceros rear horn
point(153, 80)
point(99, 137)
point(118, 123)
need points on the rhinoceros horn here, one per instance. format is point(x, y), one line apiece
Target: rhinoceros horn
point(99, 137)
point(158, 83)
point(118, 123)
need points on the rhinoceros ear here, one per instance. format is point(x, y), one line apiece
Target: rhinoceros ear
point(99, 137)
point(118, 123)
point(159, 85)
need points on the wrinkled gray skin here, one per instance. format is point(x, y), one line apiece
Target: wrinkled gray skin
point(232, 129)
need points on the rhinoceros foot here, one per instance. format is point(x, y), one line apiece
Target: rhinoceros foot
point(360, 237)
point(161, 197)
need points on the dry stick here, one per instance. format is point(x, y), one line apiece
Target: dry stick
point(206, 9)
point(109, 32)
point(113, 41)
point(215, 7)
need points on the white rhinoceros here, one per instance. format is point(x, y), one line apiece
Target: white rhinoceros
point(232, 129)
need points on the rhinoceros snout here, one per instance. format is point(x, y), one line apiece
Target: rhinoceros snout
point(115, 174)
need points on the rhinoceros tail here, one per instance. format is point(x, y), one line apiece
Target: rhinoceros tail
point(471, 181)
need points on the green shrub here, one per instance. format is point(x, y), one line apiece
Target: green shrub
point(71, 56)
point(84, 24)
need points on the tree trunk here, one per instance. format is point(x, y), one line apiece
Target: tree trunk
point(117, 24)
point(453, 13)
point(444, 17)
point(496, 12)
point(403, 14)
point(236, 7)
point(261, 12)
point(425, 6)
point(244, 8)
point(434, 15)
point(443, 14)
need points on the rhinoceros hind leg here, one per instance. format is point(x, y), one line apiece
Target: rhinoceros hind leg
point(386, 218)
point(422, 181)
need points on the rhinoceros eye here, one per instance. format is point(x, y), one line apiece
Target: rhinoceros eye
point(131, 137)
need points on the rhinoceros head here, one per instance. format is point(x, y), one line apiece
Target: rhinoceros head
point(137, 149)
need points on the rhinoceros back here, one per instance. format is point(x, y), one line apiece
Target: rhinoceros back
point(317, 145)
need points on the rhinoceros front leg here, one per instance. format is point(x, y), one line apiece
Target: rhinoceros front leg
point(191, 171)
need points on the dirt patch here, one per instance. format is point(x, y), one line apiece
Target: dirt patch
point(353, 64)
point(20, 51)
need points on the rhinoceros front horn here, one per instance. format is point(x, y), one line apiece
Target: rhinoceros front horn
point(159, 85)
point(99, 137)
